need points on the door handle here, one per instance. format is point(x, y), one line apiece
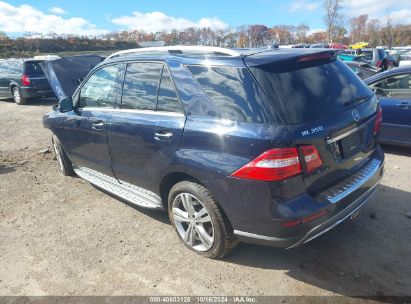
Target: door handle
point(97, 125)
point(403, 105)
point(163, 135)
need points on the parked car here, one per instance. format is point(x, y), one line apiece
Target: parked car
point(378, 58)
point(319, 46)
point(358, 45)
point(23, 80)
point(405, 59)
point(362, 69)
point(394, 90)
point(271, 147)
point(352, 57)
point(338, 46)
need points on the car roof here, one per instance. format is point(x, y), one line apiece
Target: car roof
point(391, 72)
point(255, 56)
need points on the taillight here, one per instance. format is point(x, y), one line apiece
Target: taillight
point(312, 158)
point(272, 165)
point(379, 63)
point(378, 120)
point(25, 80)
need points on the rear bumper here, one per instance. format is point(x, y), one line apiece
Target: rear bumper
point(28, 92)
point(341, 202)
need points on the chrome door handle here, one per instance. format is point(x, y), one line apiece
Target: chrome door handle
point(163, 135)
point(97, 125)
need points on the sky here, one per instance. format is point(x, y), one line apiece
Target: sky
point(89, 17)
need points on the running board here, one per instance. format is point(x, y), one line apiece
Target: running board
point(131, 193)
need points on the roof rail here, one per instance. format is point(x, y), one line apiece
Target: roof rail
point(178, 48)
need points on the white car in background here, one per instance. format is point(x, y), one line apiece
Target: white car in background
point(405, 59)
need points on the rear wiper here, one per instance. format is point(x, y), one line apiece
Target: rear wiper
point(356, 100)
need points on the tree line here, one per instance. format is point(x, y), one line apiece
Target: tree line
point(338, 28)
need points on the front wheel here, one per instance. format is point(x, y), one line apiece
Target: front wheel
point(18, 98)
point(199, 221)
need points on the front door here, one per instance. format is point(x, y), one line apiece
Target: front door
point(144, 134)
point(84, 133)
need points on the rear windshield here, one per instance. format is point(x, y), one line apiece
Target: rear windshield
point(33, 67)
point(369, 55)
point(310, 91)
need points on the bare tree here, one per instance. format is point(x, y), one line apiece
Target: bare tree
point(332, 10)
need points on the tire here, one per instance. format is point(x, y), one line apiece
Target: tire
point(18, 98)
point(66, 167)
point(199, 222)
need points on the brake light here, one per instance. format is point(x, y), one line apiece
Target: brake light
point(378, 120)
point(312, 158)
point(25, 80)
point(315, 57)
point(272, 165)
point(379, 63)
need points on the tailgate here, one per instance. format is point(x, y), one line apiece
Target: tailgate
point(344, 144)
point(39, 83)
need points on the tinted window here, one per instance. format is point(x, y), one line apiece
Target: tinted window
point(234, 93)
point(98, 91)
point(141, 86)
point(368, 54)
point(312, 90)
point(33, 67)
point(167, 96)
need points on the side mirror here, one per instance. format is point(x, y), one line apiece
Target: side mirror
point(66, 104)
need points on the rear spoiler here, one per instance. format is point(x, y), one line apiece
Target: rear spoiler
point(289, 55)
point(65, 74)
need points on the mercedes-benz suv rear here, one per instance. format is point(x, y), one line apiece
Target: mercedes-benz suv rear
point(266, 146)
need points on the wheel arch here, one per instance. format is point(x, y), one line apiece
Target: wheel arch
point(170, 180)
point(12, 85)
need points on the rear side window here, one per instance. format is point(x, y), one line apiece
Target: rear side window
point(312, 90)
point(141, 85)
point(234, 93)
point(33, 67)
point(167, 96)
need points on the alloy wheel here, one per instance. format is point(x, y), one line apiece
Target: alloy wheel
point(16, 95)
point(193, 222)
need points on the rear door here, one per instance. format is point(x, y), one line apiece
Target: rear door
point(395, 96)
point(144, 134)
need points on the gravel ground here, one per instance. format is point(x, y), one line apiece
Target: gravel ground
point(61, 236)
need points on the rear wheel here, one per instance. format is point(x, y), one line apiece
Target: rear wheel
point(199, 222)
point(18, 98)
point(65, 164)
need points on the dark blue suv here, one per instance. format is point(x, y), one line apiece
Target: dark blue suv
point(265, 146)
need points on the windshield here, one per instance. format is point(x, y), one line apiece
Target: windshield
point(309, 91)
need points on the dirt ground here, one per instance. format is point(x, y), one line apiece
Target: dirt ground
point(61, 236)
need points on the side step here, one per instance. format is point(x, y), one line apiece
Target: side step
point(132, 194)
